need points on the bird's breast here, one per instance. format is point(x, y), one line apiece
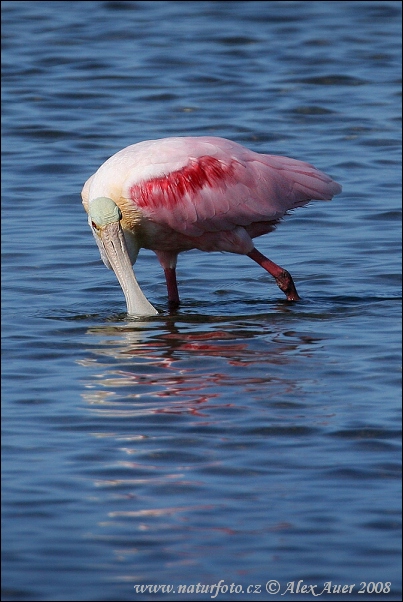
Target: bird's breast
point(159, 237)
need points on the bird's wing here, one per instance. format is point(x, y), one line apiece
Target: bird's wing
point(199, 185)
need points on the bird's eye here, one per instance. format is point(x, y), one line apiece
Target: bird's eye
point(93, 224)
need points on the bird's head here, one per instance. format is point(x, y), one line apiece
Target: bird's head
point(118, 252)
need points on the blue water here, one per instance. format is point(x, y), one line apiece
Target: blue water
point(241, 438)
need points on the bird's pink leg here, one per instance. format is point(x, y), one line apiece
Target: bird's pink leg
point(172, 287)
point(282, 277)
point(168, 260)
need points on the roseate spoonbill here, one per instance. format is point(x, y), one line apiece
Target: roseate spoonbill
point(206, 193)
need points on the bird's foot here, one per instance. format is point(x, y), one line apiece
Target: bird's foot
point(281, 276)
point(286, 284)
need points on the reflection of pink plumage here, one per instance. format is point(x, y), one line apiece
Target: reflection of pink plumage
point(206, 193)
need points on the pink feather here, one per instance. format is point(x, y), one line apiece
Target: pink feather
point(206, 184)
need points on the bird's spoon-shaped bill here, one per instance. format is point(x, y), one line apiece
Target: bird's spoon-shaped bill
point(114, 245)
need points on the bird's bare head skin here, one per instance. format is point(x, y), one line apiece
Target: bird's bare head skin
point(104, 217)
point(182, 193)
point(103, 211)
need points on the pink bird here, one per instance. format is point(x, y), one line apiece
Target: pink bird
point(176, 194)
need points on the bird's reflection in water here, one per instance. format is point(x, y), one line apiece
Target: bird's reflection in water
point(182, 411)
point(191, 366)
